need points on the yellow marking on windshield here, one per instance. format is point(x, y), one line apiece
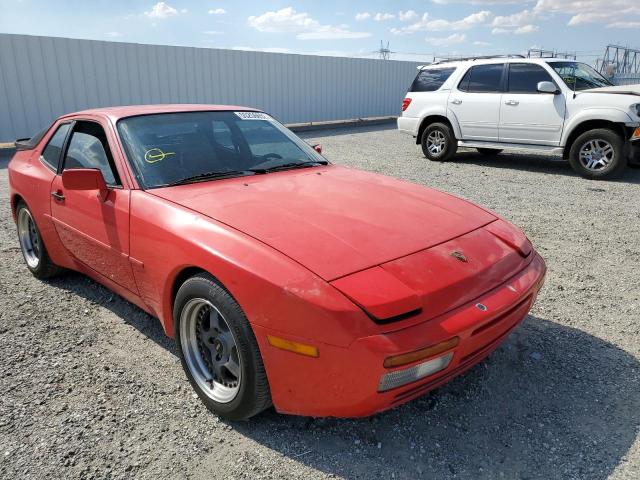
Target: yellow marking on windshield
point(154, 155)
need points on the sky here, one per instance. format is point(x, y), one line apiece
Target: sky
point(415, 30)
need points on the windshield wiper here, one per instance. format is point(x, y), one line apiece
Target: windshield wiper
point(289, 166)
point(210, 176)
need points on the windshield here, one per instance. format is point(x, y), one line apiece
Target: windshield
point(170, 148)
point(582, 74)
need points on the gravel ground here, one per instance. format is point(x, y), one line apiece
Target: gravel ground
point(90, 387)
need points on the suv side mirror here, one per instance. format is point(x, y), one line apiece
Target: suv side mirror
point(547, 87)
point(85, 179)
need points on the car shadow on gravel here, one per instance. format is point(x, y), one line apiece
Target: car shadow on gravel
point(552, 402)
point(534, 163)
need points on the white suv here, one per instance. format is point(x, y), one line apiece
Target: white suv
point(547, 105)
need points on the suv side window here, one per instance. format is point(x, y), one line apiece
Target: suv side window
point(51, 153)
point(430, 80)
point(524, 77)
point(88, 148)
point(482, 79)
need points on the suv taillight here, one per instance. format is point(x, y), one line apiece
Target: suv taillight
point(405, 103)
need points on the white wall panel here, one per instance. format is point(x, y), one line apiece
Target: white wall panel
point(44, 77)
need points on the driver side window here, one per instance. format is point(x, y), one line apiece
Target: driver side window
point(88, 148)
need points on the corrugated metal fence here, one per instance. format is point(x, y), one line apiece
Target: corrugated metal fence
point(44, 77)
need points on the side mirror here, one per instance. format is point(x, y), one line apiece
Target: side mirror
point(547, 87)
point(85, 179)
point(317, 147)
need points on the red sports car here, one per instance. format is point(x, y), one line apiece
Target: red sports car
point(284, 279)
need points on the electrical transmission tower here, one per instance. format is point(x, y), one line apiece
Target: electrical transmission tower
point(619, 60)
point(540, 53)
point(384, 53)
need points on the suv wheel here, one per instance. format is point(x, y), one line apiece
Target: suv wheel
point(438, 142)
point(598, 154)
point(489, 151)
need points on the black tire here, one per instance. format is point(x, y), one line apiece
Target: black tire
point(601, 137)
point(37, 252)
point(489, 151)
point(253, 393)
point(450, 144)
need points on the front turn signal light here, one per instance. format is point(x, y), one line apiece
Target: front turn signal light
point(636, 133)
point(432, 351)
point(291, 346)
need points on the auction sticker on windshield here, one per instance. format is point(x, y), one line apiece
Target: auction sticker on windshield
point(253, 115)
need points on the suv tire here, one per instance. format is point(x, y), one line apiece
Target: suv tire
point(598, 154)
point(439, 143)
point(489, 151)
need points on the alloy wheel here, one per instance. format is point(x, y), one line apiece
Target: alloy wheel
point(596, 154)
point(436, 142)
point(210, 350)
point(28, 237)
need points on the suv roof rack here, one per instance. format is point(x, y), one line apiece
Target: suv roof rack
point(476, 57)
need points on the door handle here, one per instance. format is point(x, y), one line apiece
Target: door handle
point(58, 196)
point(456, 101)
point(511, 102)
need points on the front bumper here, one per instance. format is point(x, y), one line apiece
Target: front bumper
point(343, 382)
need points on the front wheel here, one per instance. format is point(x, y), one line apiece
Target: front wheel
point(598, 154)
point(438, 142)
point(218, 350)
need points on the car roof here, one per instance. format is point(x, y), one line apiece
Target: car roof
point(117, 112)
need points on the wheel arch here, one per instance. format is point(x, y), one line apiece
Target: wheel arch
point(591, 124)
point(428, 120)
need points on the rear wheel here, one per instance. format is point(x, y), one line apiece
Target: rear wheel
point(31, 244)
point(218, 350)
point(438, 142)
point(598, 154)
point(489, 151)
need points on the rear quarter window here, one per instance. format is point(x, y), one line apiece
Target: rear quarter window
point(430, 80)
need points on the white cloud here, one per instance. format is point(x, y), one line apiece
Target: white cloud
point(362, 16)
point(217, 11)
point(519, 23)
point(381, 17)
point(624, 25)
point(481, 2)
point(287, 20)
point(426, 24)
point(481, 43)
point(161, 10)
point(331, 32)
point(212, 32)
point(407, 16)
point(452, 39)
point(607, 12)
point(526, 29)
point(113, 34)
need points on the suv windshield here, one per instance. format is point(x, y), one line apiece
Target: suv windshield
point(173, 148)
point(580, 74)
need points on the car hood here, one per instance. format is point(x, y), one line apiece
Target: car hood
point(333, 220)
point(619, 90)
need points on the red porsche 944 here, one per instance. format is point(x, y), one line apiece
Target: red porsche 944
point(285, 280)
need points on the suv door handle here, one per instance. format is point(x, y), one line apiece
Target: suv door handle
point(456, 101)
point(511, 102)
point(58, 196)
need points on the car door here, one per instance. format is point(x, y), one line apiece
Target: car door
point(526, 115)
point(95, 232)
point(475, 103)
